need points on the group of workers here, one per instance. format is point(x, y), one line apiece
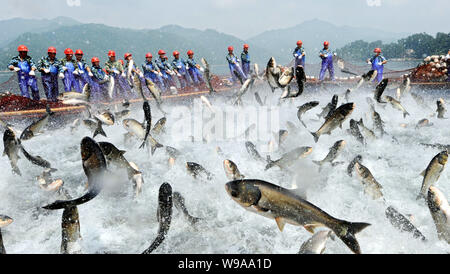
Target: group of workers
point(75, 73)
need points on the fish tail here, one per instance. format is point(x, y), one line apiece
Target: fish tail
point(316, 137)
point(405, 113)
point(270, 163)
point(155, 146)
point(99, 130)
point(346, 232)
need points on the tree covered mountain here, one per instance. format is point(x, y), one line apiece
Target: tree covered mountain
point(416, 46)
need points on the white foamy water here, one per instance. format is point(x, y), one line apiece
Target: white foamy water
point(114, 222)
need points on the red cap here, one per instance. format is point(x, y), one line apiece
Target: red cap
point(326, 43)
point(175, 53)
point(299, 43)
point(377, 50)
point(148, 55)
point(245, 46)
point(161, 52)
point(95, 59)
point(126, 55)
point(51, 50)
point(68, 51)
point(230, 48)
point(165, 57)
point(190, 52)
point(22, 48)
point(111, 53)
point(121, 61)
point(79, 51)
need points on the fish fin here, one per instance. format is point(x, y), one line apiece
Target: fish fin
point(319, 163)
point(316, 137)
point(154, 147)
point(99, 130)
point(346, 232)
point(423, 172)
point(280, 223)
point(405, 114)
point(122, 152)
point(270, 163)
point(303, 123)
point(309, 228)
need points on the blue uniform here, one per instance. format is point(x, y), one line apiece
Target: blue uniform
point(50, 80)
point(378, 66)
point(180, 66)
point(82, 78)
point(327, 63)
point(164, 67)
point(233, 64)
point(245, 59)
point(98, 83)
point(299, 60)
point(69, 80)
point(25, 80)
point(151, 72)
point(115, 69)
point(194, 72)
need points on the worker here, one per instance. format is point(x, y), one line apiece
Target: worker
point(49, 67)
point(299, 55)
point(99, 81)
point(327, 61)
point(377, 62)
point(235, 68)
point(68, 71)
point(152, 72)
point(83, 70)
point(164, 68)
point(115, 69)
point(25, 68)
point(447, 61)
point(245, 59)
point(194, 69)
point(179, 67)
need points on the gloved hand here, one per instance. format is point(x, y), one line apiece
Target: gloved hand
point(179, 75)
point(16, 69)
point(296, 55)
point(64, 68)
point(81, 71)
point(179, 66)
point(61, 75)
point(335, 54)
point(187, 66)
point(75, 72)
point(325, 56)
point(141, 75)
point(46, 70)
point(31, 73)
point(123, 74)
point(160, 74)
point(116, 71)
point(380, 63)
point(202, 69)
point(90, 74)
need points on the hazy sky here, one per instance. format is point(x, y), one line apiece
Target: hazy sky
point(242, 18)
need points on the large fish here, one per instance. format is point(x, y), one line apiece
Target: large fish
point(301, 79)
point(207, 75)
point(156, 93)
point(378, 122)
point(106, 117)
point(37, 160)
point(441, 110)
point(36, 127)
point(432, 173)
point(440, 211)
point(284, 206)
point(371, 186)
point(158, 128)
point(129, 74)
point(289, 158)
point(251, 149)
point(11, 149)
point(380, 89)
point(354, 131)
point(245, 87)
point(4, 221)
point(136, 178)
point(83, 96)
point(138, 86)
point(231, 170)
point(402, 223)
point(197, 170)
point(332, 154)
point(273, 74)
point(286, 77)
point(70, 231)
point(94, 166)
point(328, 109)
point(438, 146)
point(367, 132)
point(351, 165)
point(396, 104)
point(115, 155)
point(315, 244)
point(304, 108)
point(148, 121)
point(137, 129)
point(179, 203)
point(336, 119)
point(164, 215)
point(404, 87)
point(111, 85)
